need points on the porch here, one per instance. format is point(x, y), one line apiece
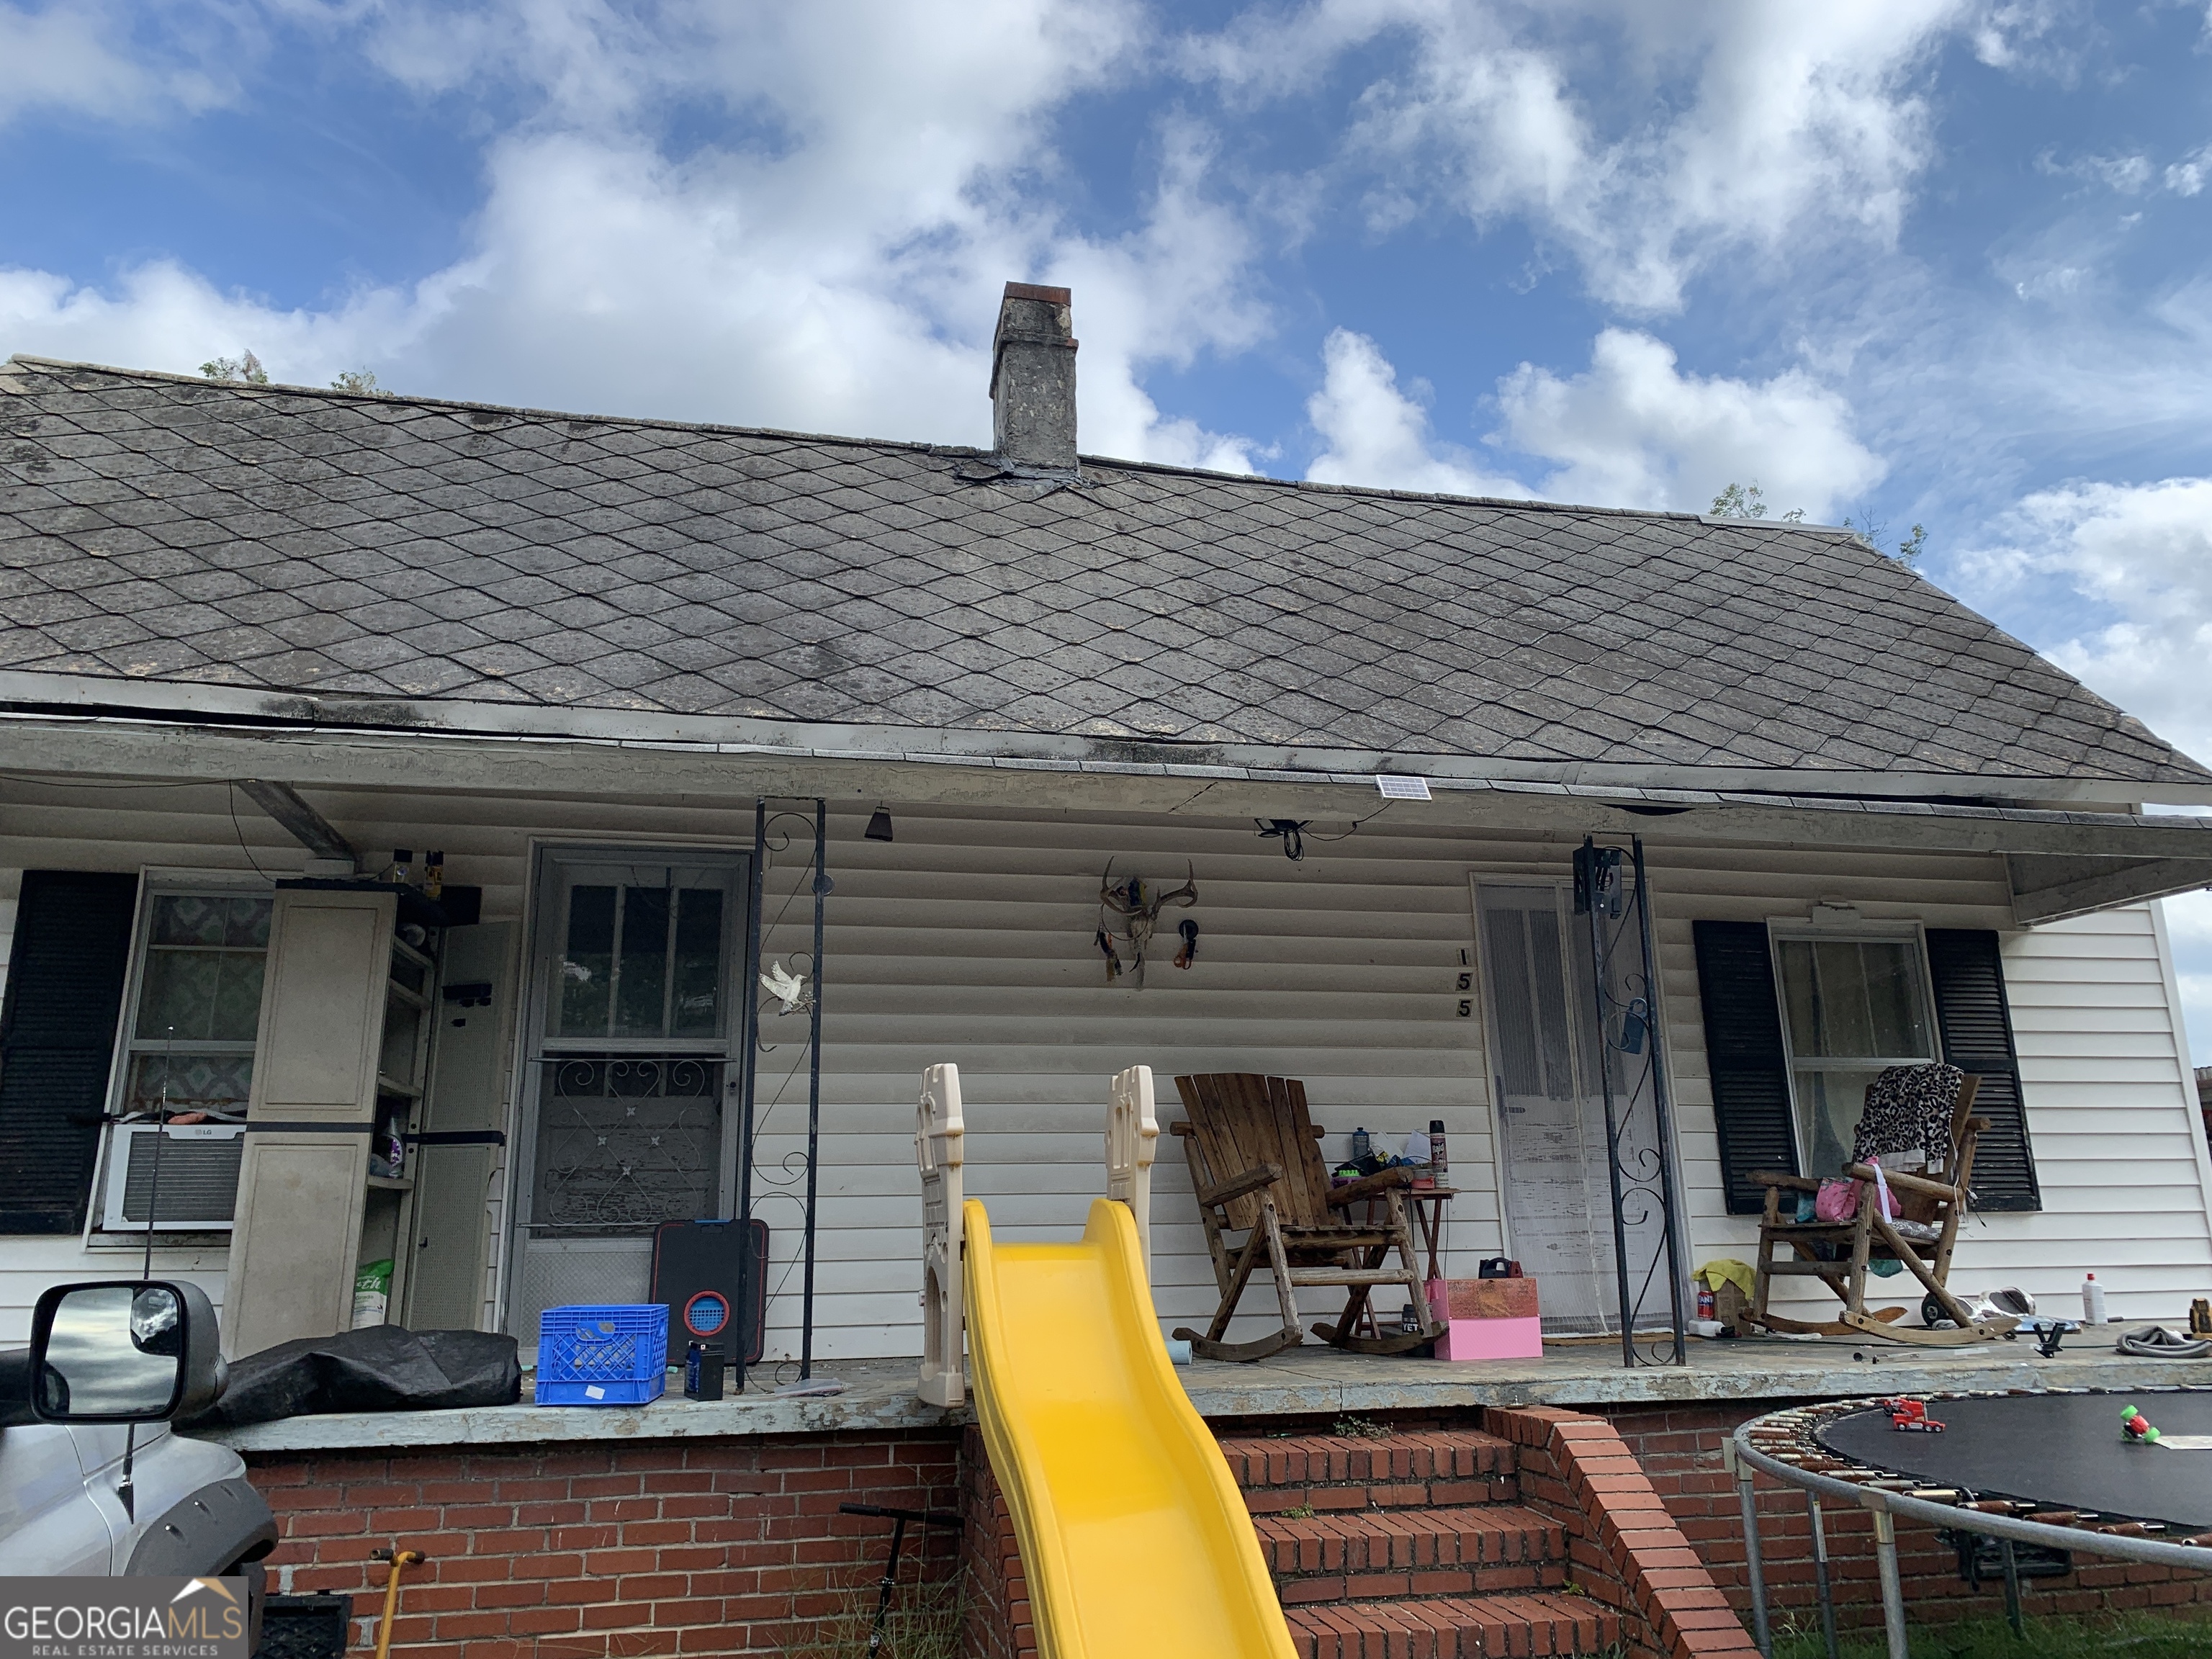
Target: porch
point(1313, 1383)
point(1370, 968)
point(726, 1514)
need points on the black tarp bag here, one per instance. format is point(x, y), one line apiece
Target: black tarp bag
point(384, 1368)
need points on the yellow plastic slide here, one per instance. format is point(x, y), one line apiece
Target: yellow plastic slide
point(1134, 1539)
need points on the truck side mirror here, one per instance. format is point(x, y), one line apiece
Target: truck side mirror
point(124, 1351)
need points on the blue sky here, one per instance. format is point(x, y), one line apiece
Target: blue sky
point(1945, 262)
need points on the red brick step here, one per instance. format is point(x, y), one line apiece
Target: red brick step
point(1373, 1553)
point(1418, 1469)
point(1533, 1626)
point(1412, 1545)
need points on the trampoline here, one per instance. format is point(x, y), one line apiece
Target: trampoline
point(2059, 1451)
point(2048, 1469)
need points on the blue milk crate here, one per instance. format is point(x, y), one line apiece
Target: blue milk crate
point(615, 1355)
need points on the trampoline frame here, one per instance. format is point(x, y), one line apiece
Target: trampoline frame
point(1876, 1492)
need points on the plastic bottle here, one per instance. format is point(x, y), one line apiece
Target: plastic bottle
point(2092, 1301)
point(1362, 1143)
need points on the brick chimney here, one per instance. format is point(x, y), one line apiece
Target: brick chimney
point(1033, 378)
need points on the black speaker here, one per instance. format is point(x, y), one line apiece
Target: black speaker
point(695, 1272)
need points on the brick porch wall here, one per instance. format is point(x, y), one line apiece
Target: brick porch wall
point(997, 1600)
point(611, 1550)
point(1680, 1449)
point(628, 1549)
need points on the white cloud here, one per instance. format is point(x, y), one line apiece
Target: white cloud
point(2021, 35)
point(1379, 436)
point(2129, 175)
point(836, 270)
point(80, 57)
point(2186, 176)
point(1743, 126)
point(2133, 174)
point(1633, 430)
point(2142, 555)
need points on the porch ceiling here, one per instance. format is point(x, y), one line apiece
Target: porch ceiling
point(2060, 862)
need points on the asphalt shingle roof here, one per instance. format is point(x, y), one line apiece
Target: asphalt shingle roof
point(157, 527)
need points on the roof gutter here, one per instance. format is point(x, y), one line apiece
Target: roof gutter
point(198, 704)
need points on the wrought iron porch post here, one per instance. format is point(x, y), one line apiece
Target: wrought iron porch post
point(1661, 1110)
point(748, 988)
point(822, 885)
point(1588, 862)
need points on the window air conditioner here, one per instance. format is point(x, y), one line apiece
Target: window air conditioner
point(198, 1181)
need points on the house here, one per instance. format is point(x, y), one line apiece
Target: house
point(263, 647)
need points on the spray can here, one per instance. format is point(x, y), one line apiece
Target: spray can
point(2092, 1301)
point(1437, 1161)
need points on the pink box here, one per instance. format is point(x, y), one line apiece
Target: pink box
point(1492, 1339)
point(1470, 1336)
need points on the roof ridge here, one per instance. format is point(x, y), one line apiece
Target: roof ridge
point(1311, 486)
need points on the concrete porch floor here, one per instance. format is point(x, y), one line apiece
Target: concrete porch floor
point(1314, 1381)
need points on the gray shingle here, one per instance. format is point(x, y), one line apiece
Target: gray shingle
point(283, 539)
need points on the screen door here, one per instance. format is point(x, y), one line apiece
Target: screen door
point(1544, 1057)
point(630, 1118)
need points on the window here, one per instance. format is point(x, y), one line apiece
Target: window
point(1851, 1006)
point(642, 961)
point(195, 1011)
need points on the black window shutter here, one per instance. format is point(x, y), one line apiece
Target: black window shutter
point(1744, 1053)
point(65, 972)
point(1976, 1024)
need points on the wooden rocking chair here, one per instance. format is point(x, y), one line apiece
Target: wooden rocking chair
point(1258, 1172)
point(1837, 1253)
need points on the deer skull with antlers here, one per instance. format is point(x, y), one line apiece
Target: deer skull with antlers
point(1139, 913)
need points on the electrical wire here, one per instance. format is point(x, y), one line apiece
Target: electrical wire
point(230, 798)
point(1356, 823)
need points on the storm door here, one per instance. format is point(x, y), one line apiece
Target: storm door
point(1544, 1060)
point(631, 1114)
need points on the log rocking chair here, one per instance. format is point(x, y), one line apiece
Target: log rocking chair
point(1839, 1254)
point(1259, 1172)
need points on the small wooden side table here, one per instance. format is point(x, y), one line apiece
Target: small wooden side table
point(1425, 1208)
point(1427, 1204)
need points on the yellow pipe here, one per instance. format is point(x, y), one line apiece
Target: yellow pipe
point(400, 1559)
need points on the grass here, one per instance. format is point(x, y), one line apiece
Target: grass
point(2180, 1635)
point(924, 1623)
point(1361, 1428)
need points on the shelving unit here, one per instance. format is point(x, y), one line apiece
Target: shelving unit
point(340, 1062)
point(410, 994)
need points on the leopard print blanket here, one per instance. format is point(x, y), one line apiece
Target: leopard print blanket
point(1909, 1107)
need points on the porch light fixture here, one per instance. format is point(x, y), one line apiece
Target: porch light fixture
point(879, 826)
point(1290, 831)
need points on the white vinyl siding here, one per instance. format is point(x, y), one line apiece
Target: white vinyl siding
point(2110, 1123)
point(969, 938)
